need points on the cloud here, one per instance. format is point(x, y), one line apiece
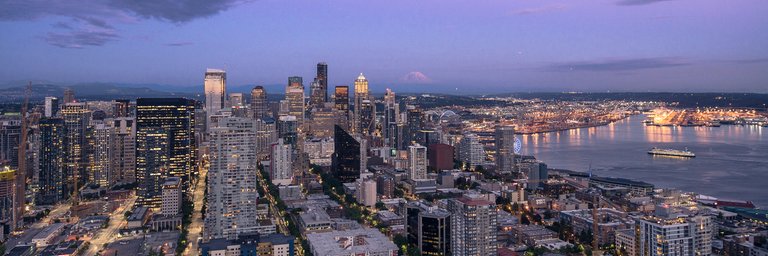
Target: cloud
point(96, 19)
point(179, 44)
point(752, 61)
point(416, 77)
point(78, 39)
point(639, 2)
point(544, 9)
point(617, 65)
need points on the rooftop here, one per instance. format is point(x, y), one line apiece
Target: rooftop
point(350, 242)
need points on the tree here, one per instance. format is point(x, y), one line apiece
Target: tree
point(127, 214)
point(380, 205)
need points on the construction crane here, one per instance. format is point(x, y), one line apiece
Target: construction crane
point(21, 173)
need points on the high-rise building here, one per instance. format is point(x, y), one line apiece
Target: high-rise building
point(674, 234)
point(505, 148)
point(232, 187)
point(362, 94)
point(316, 97)
point(51, 106)
point(366, 118)
point(294, 94)
point(280, 164)
point(122, 108)
point(165, 145)
point(417, 159)
point(123, 150)
point(440, 156)
point(266, 135)
point(172, 197)
point(9, 216)
point(391, 114)
point(76, 119)
point(52, 173)
point(322, 79)
point(287, 129)
point(414, 124)
point(10, 137)
point(69, 95)
point(100, 139)
point(341, 105)
point(429, 228)
point(346, 156)
point(259, 105)
point(471, 152)
point(323, 120)
point(366, 192)
point(473, 226)
point(215, 90)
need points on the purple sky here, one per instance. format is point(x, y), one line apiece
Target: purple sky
point(449, 46)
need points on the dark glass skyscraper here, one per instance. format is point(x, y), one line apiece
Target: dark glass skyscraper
point(52, 174)
point(346, 156)
point(429, 228)
point(341, 105)
point(322, 79)
point(165, 144)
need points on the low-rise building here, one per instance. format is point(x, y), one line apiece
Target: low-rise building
point(366, 241)
point(610, 220)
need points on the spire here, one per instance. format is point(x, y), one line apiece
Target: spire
point(361, 77)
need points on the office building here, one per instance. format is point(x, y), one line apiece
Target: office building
point(69, 95)
point(172, 197)
point(259, 104)
point(165, 145)
point(391, 116)
point(429, 228)
point(346, 156)
point(9, 216)
point(122, 108)
point(322, 80)
point(473, 225)
point(504, 137)
point(417, 159)
point(123, 158)
point(360, 119)
point(52, 174)
point(288, 129)
point(281, 162)
point(232, 186)
point(215, 91)
point(294, 95)
point(440, 157)
point(51, 107)
point(413, 125)
point(323, 120)
point(341, 106)
point(10, 136)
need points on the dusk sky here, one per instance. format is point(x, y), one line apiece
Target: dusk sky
point(445, 46)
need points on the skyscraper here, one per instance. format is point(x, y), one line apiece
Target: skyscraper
point(69, 95)
point(505, 152)
point(232, 187)
point(122, 108)
point(52, 174)
point(473, 226)
point(322, 79)
point(673, 234)
point(391, 116)
point(361, 94)
point(76, 119)
point(51, 106)
point(287, 129)
point(316, 96)
point(101, 150)
point(341, 105)
point(294, 94)
point(215, 91)
point(414, 124)
point(471, 152)
point(259, 106)
point(123, 150)
point(417, 159)
point(346, 156)
point(165, 144)
point(10, 137)
point(266, 135)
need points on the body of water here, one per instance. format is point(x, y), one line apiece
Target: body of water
point(731, 161)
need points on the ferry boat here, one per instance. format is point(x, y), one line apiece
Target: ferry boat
point(671, 152)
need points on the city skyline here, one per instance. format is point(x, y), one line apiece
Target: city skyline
point(617, 45)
